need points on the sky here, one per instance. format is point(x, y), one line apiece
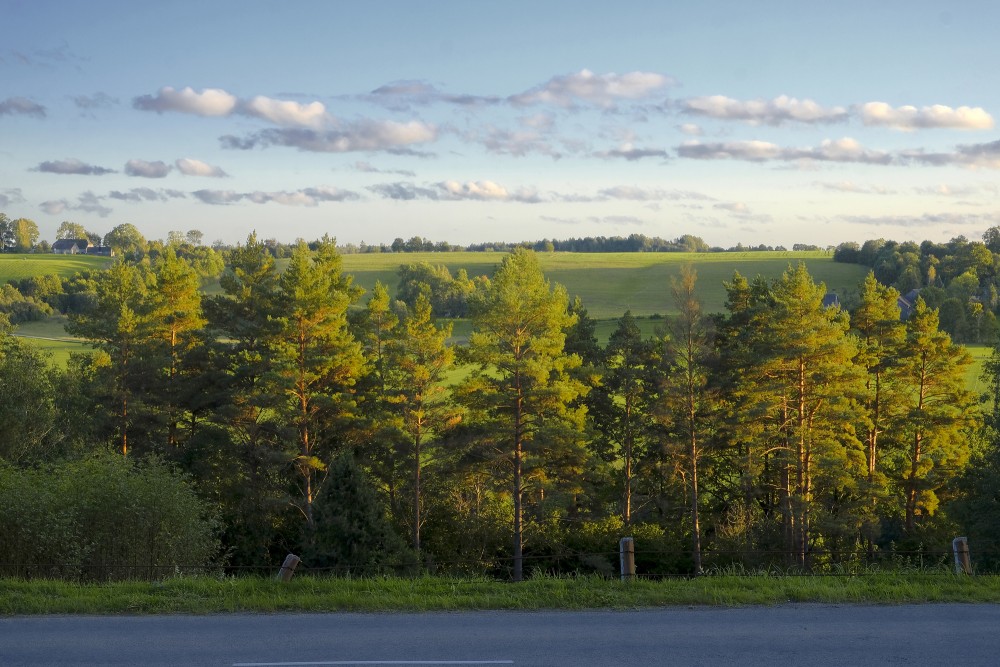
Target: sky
point(739, 122)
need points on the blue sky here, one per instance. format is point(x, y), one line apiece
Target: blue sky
point(769, 122)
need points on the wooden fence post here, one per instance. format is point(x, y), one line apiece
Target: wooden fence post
point(963, 564)
point(288, 567)
point(626, 554)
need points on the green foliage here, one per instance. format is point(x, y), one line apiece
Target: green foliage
point(523, 385)
point(351, 533)
point(126, 240)
point(27, 402)
point(20, 308)
point(103, 518)
point(447, 295)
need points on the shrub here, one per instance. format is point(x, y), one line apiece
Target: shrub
point(102, 518)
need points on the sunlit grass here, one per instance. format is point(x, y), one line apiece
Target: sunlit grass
point(16, 267)
point(611, 283)
point(201, 595)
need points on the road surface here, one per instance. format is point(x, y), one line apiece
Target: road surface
point(794, 634)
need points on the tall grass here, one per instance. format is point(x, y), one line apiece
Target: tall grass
point(318, 594)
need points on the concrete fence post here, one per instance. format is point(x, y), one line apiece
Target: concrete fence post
point(626, 554)
point(960, 547)
point(288, 567)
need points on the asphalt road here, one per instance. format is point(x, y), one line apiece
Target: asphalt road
point(791, 635)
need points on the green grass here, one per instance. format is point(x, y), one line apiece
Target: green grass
point(50, 336)
point(973, 375)
point(200, 595)
point(16, 267)
point(611, 283)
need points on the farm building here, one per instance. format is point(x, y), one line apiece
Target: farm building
point(71, 246)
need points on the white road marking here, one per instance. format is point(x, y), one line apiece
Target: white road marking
point(373, 662)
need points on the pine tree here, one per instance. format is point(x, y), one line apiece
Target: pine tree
point(619, 405)
point(523, 385)
point(175, 316)
point(421, 356)
point(793, 391)
point(938, 408)
point(244, 323)
point(318, 360)
point(686, 395)
point(118, 325)
point(881, 336)
point(377, 328)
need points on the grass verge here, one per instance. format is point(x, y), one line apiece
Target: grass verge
point(205, 595)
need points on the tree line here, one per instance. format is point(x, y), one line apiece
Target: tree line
point(960, 278)
point(351, 429)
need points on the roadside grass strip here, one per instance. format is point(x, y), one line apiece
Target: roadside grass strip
point(203, 595)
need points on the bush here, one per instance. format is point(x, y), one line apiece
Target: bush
point(352, 534)
point(103, 518)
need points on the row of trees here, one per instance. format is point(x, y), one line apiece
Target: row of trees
point(779, 430)
point(960, 278)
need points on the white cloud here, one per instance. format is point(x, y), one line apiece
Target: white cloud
point(935, 116)
point(972, 156)
point(10, 196)
point(191, 167)
point(95, 101)
point(72, 166)
point(304, 197)
point(145, 169)
point(401, 95)
point(209, 102)
point(737, 207)
point(601, 90)
point(629, 152)
point(780, 110)
point(87, 202)
point(21, 106)
point(364, 135)
point(691, 130)
point(286, 112)
point(475, 190)
point(634, 193)
point(136, 195)
point(218, 197)
point(922, 220)
point(368, 168)
point(852, 187)
point(838, 150)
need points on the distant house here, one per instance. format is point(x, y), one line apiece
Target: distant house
point(907, 302)
point(831, 300)
point(71, 247)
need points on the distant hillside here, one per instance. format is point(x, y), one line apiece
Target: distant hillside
point(16, 267)
point(611, 283)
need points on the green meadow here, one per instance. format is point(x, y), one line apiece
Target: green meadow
point(16, 267)
point(611, 283)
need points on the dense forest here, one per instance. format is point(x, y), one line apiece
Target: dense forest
point(293, 413)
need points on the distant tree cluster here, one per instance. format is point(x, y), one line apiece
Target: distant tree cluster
point(960, 278)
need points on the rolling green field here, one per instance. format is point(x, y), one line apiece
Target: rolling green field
point(16, 267)
point(611, 283)
point(50, 336)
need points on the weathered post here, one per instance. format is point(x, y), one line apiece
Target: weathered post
point(626, 554)
point(960, 547)
point(288, 567)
